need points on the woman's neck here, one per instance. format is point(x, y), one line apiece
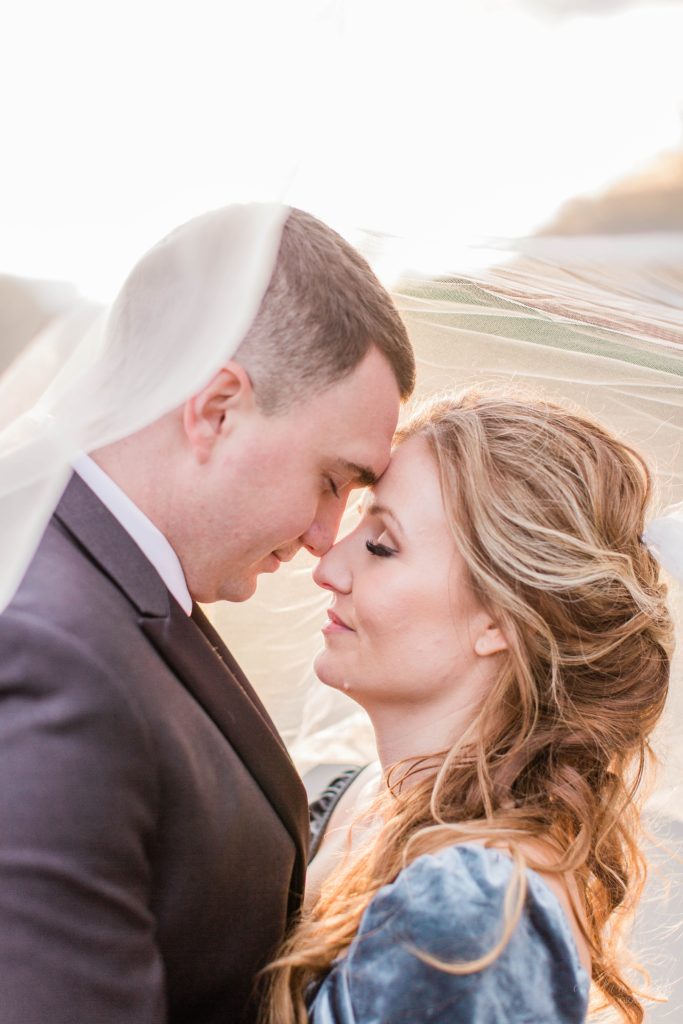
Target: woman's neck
point(410, 732)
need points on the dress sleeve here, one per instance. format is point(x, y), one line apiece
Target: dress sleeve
point(450, 905)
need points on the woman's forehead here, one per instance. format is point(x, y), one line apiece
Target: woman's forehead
point(410, 489)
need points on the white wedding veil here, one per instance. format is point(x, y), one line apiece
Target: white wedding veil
point(596, 323)
point(512, 169)
point(468, 149)
point(93, 378)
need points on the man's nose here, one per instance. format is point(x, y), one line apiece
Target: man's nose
point(320, 535)
point(333, 571)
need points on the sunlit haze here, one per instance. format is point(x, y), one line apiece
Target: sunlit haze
point(444, 122)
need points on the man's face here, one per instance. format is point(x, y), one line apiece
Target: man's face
point(274, 484)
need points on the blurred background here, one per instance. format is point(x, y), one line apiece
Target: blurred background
point(512, 168)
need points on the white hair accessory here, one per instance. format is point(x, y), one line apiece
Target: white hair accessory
point(664, 538)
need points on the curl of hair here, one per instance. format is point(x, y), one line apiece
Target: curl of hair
point(547, 509)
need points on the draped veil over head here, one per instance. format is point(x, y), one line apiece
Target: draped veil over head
point(512, 170)
point(98, 377)
point(475, 185)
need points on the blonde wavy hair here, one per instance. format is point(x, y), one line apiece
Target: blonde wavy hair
point(547, 509)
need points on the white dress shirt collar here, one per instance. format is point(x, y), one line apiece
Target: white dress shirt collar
point(146, 535)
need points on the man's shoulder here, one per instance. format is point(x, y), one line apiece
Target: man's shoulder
point(68, 621)
point(70, 643)
point(63, 587)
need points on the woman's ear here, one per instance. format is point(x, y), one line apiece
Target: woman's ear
point(210, 414)
point(490, 640)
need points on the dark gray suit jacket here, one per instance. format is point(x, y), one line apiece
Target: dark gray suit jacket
point(153, 830)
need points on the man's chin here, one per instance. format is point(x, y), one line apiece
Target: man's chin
point(237, 590)
point(242, 593)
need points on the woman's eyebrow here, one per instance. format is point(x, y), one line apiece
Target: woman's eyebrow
point(382, 510)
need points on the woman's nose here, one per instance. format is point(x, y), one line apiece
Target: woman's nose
point(333, 571)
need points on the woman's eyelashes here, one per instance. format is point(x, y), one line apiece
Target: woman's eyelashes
point(380, 550)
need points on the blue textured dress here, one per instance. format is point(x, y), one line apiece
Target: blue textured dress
point(450, 904)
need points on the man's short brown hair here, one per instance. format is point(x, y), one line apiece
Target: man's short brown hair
point(323, 310)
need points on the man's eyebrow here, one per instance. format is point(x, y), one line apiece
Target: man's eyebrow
point(365, 476)
point(382, 510)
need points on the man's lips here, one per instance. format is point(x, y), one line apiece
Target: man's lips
point(275, 559)
point(335, 624)
point(287, 554)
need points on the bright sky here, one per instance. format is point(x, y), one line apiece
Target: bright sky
point(443, 120)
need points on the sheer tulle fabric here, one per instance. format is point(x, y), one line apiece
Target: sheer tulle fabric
point(596, 321)
point(604, 335)
point(481, 137)
point(93, 379)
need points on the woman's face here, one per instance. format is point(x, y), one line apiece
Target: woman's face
point(404, 626)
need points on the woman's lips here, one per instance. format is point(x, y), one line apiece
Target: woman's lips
point(335, 625)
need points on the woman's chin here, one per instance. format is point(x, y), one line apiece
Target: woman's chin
point(329, 673)
point(324, 671)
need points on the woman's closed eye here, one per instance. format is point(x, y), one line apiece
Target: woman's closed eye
point(380, 550)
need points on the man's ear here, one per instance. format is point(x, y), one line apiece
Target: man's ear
point(490, 639)
point(210, 414)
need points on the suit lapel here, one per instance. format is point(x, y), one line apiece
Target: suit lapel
point(106, 543)
point(199, 658)
point(196, 654)
point(217, 643)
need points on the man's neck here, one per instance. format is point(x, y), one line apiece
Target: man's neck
point(151, 540)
